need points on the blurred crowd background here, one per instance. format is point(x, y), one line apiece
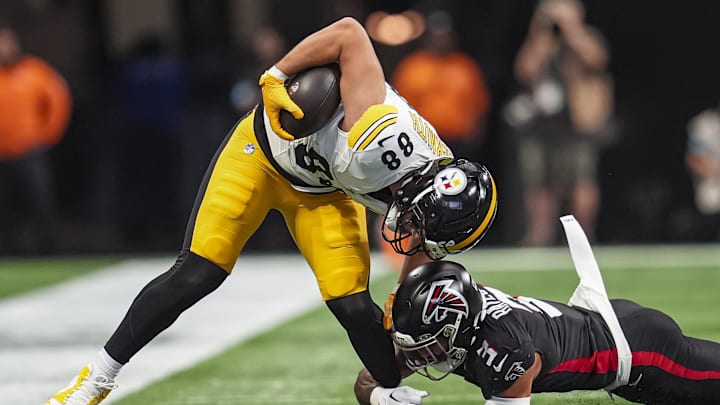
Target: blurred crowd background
point(607, 109)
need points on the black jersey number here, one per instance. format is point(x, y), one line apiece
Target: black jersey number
point(311, 161)
point(391, 159)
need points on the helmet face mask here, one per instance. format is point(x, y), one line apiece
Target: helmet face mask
point(436, 351)
point(448, 206)
point(404, 226)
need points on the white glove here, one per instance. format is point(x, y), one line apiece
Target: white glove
point(402, 395)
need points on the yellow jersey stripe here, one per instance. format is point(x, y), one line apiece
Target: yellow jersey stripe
point(374, 115)
point(368, 140)
point(483, 225)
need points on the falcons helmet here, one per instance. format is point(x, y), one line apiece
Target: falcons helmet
point(435, 313)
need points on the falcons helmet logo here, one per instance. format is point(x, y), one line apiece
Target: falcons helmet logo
point(441, 300)
point(515, 371)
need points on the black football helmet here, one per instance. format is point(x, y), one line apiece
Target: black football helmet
point(435, 312)
point(449, 204)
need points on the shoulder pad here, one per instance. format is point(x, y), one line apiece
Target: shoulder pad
point(371, 123)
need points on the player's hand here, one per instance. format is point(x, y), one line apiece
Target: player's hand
point(276, 98)
point(403, 395)
point(387, 317)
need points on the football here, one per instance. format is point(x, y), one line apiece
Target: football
point(317, 92)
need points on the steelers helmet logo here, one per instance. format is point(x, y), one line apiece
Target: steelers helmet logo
point(451, 181)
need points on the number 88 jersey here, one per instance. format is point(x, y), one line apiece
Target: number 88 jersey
point(389, 141)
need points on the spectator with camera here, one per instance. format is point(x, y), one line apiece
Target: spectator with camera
point(560, 118)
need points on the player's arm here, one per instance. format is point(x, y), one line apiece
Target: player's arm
point(520, 391)
point(532, 53)
point(364, 385)
point(362, 82)
point(588, 45)
point(369, 392)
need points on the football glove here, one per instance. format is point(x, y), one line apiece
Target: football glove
point(387, 317)
point(276, 98)
point(403, 395)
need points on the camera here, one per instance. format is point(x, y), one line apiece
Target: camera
point(555, 29)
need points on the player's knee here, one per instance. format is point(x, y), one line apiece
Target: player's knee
point(342, 284)
point(218, 246)
point(195, 274)
point(355, 311)
point(225, 220)
point(345, 275)
point(217, 249)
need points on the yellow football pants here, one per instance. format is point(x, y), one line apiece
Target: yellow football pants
point(329, 229)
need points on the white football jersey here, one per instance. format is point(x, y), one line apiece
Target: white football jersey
point(389, 141)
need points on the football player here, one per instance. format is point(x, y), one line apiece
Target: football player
point(511, 347)
point(377, 153)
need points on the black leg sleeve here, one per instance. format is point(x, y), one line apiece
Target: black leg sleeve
point(162, 301)
point(362, 320)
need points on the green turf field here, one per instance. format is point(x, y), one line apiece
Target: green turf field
point(309, 360)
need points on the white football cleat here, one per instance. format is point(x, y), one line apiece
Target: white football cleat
point(84, 389)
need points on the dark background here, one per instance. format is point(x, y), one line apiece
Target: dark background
point(127, 185)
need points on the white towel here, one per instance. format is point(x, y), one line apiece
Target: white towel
point(591, 295)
